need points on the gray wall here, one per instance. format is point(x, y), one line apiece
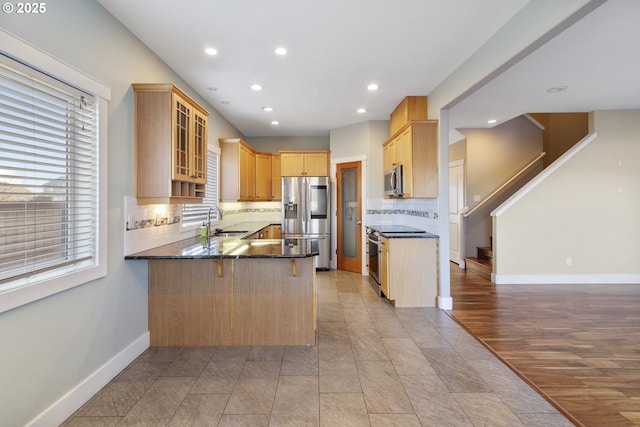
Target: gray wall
point(493, 156)
point(586, 210)
point(274, 144)
point(50, 346)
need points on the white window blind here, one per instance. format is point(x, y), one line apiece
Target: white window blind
point(197, 213)
point(48, 174)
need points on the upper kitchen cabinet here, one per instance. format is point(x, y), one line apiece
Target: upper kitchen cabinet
point(304, 163)
point(415, 147)
point(237, 170)
point(276, 177)
point(410, 108)
point(263, 177)
point(170, 145)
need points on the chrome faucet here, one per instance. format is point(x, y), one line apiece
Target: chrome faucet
point(218, 213)
point(218, 217)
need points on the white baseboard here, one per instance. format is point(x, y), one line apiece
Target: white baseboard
point(445, 303)
point(565, 279)
point(57, 413)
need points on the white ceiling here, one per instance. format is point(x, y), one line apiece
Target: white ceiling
point(597, 59)
point(337, 47)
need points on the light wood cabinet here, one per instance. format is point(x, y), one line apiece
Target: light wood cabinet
point(263, 177)
point(190, 302)
point(239, 302)
point(276, 177)
point(170, 139)
point(273, 231)
point(237, 170)
point(409, 271)
point(393, 152)
point(304, 163)
point(410, 108)
point(415, 147)
point(273, 306)
point(384, 266)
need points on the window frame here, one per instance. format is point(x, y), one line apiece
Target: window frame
point(211, 150)
point(48, 283)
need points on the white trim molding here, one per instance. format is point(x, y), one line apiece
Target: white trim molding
point(445, 303)
point(545, 174)
point(565, 279)
point(59, 411)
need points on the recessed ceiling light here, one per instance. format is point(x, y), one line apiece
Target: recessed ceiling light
point(256, 87)
point(361, 110)
point(267, 108)
point(372, 86)
point(211, 51)
point(281, 51)
point(556, 89)
point(492, 121)
point(275, 122)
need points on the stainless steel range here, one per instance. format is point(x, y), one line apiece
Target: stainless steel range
point(374, 242)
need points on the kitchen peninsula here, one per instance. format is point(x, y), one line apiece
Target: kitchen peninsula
point(232, 290)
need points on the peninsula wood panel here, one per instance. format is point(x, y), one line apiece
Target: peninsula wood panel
point(203, 302)
point(277, 311)
point(185, 296)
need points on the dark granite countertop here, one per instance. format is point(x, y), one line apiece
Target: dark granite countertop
point(402, 232)
point(232, 246)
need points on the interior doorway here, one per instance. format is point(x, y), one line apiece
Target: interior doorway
point(349, 213)
point(456, 209)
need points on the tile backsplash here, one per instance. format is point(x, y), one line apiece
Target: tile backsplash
point(149, 226)
point(419, 213)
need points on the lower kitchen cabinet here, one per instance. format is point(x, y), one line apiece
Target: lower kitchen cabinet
point(189, 302)
point(224, 302)
point(409, 271)
point(273, 231)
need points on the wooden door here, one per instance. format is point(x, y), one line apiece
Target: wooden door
point(456, 204)
point(263, 176)
point(183, 126)
point(243, 174)
point(316, 164)
point(349, 225)
point(251, 180)
point(291, 164)
point(407, 162)
point(276, 178)
point(199, 151)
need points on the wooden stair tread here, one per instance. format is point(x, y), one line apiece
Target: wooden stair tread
point(481, 267)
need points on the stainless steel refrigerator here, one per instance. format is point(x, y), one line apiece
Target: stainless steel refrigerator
point(305, 213)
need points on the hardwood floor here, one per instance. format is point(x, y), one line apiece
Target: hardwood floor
point(579, 345)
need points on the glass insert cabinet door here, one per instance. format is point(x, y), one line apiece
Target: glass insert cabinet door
point(349, 217)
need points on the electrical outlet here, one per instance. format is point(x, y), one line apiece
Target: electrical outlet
point(569, 261)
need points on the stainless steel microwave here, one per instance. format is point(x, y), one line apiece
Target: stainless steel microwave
point(393, 181)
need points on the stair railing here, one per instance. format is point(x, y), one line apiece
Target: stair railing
point(505, 185)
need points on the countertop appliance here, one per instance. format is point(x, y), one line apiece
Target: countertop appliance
point(393, 181)
point(305, 213)
point(374, 243)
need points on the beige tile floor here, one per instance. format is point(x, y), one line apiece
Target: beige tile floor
point(373, 366)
